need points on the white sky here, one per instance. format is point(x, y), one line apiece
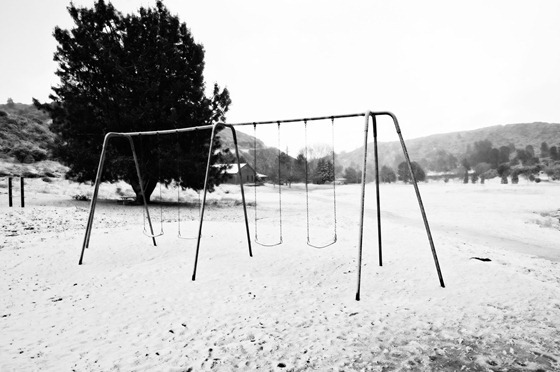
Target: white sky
point(440, 66)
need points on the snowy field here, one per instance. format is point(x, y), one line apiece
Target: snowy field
point(133, 306)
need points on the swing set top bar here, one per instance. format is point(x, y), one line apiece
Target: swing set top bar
point(301, 119)
point(165, 131)
point(370, 113)
point(210, 126)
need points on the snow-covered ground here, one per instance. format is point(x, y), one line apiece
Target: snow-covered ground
point(133, 306)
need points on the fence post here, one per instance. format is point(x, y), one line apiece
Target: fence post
point(22, 191)
point(9, 191)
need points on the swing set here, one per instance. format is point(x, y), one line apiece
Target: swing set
point(149, 230)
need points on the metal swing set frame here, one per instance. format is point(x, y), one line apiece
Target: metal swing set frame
point(367, 115)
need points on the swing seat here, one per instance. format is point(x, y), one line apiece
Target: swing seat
point(155, 235)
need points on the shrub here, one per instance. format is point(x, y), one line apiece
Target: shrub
point(28, 154)
point(353, 176)
point(528, 172)
point(515, 172)
point(403, 172)
point(489, 174)
point(482, 168)
point(80, 197)
point(30, 174)
point(387, 174)
point(3, 113)
point(553, 171)
point(503, 171)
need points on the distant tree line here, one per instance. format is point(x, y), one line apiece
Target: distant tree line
point(482, 160)
point(284, 169)
point(353, 174)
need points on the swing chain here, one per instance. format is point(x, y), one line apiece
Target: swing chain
point(306, 179)
point(334, 178)
point(255, 168)
point(280, 241)
point(307, 189)
point(279, 185)
point(179, 186)
point(145, 214)
point(159, 181)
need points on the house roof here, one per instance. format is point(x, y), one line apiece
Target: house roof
point(232, 168)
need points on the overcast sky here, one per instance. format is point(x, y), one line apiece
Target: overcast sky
point(440, 66)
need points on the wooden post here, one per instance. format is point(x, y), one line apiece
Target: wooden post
point(22, 191)
point(10, 191)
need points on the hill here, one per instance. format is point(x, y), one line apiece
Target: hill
point(244, 141)
point(267, 157)
point(24, 133)
point(25, 137)
point(458, 143)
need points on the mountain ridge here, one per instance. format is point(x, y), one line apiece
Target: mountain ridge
point(456, 143)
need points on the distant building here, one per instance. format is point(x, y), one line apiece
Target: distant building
point(245, 171)
point(436, 176)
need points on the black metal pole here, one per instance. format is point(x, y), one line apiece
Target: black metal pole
point(420, 204)
point(300, 119)
point(202, 207)
point(242, 191)
point(255, 186)
point(22, 191)
point(374, 121)
point(94, 196)
point(137, 164)
point(361, 237)
point(10, 203)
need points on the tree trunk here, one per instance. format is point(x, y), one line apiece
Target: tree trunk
point(149, 187)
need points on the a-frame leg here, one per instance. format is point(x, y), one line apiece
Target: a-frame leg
point(415, 184)
point(420, 204)
point(203, 206)
point(242, 191)
point(362, 210)
point(94, 197)
point(377, 197)
point(137, 164)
